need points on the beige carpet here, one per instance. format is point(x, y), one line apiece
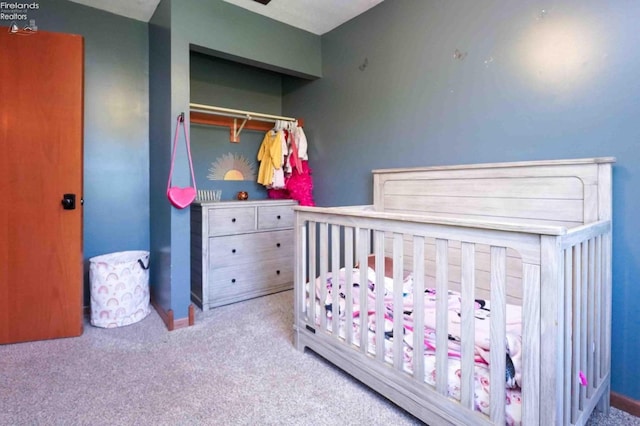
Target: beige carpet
point(236, 366)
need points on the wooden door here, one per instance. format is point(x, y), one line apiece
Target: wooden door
point(41, 134)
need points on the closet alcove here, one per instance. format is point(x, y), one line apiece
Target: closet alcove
point(239, 249)
point(219, 164)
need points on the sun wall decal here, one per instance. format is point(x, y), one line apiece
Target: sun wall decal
point(232, 166)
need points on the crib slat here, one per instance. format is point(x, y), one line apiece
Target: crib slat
point(604, 210)
point(598, 310)
point(604, 403)
point(591, 316)
point(568, 333)
point(531, 339)
point(335, 273)
point(577, 320)
point(324, 268)
point(398, 308)
point(418, 308)
point(299, 290)
point(551, 331)
point(497, 333)
point(442, 311)
point(312, 274)
point(584, 271)
point(348, 272)
point(363, 251)
point(467, 329)
point(379, 292)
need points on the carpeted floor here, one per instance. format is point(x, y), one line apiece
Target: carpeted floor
point(236, 366)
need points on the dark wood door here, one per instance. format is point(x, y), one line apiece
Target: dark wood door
point(41, 134)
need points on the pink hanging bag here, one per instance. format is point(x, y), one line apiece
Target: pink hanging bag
point(181, 197)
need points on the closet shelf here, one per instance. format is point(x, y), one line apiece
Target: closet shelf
point(217, 116)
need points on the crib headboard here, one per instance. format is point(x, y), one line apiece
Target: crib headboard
point(558, 192)
point(567, 193)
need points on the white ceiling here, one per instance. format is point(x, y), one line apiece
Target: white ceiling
point(315, 16)
point(141, 10)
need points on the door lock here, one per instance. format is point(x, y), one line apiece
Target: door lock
point(69, 201)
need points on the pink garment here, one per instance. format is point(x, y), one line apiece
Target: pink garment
point(293, 153)
point(299, 187)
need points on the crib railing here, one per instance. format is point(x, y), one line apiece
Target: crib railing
point(329, 241)
point(586, 271)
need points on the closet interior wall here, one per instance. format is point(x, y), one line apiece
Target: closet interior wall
point(228, 84)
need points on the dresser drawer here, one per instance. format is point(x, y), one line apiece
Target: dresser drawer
point(250, 249)
point(231, 220)
point(240, 282)
point(273, 217)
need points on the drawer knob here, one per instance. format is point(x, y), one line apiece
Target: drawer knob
point(233, 250)
point(278, 245)
point(233, 280)
point(278, 216)
point(278, 272)
point(233, 220)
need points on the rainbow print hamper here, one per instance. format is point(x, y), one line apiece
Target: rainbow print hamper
point(119, 288)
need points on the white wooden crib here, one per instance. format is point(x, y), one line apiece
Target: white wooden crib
point(531, 234)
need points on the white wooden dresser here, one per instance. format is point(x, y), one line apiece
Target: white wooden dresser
point(240, 250)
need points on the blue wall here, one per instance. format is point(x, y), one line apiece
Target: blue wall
point(116, 114)
point(414, 83)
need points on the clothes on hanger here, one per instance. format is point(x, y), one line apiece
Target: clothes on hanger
point(270, 157)
point(279, 173)
point(297, 183)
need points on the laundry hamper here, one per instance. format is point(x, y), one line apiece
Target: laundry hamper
point(119, 288)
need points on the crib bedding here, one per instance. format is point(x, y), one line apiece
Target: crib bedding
point(482, 358)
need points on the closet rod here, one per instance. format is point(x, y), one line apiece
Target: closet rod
point(238, 113)
point(218, 116)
